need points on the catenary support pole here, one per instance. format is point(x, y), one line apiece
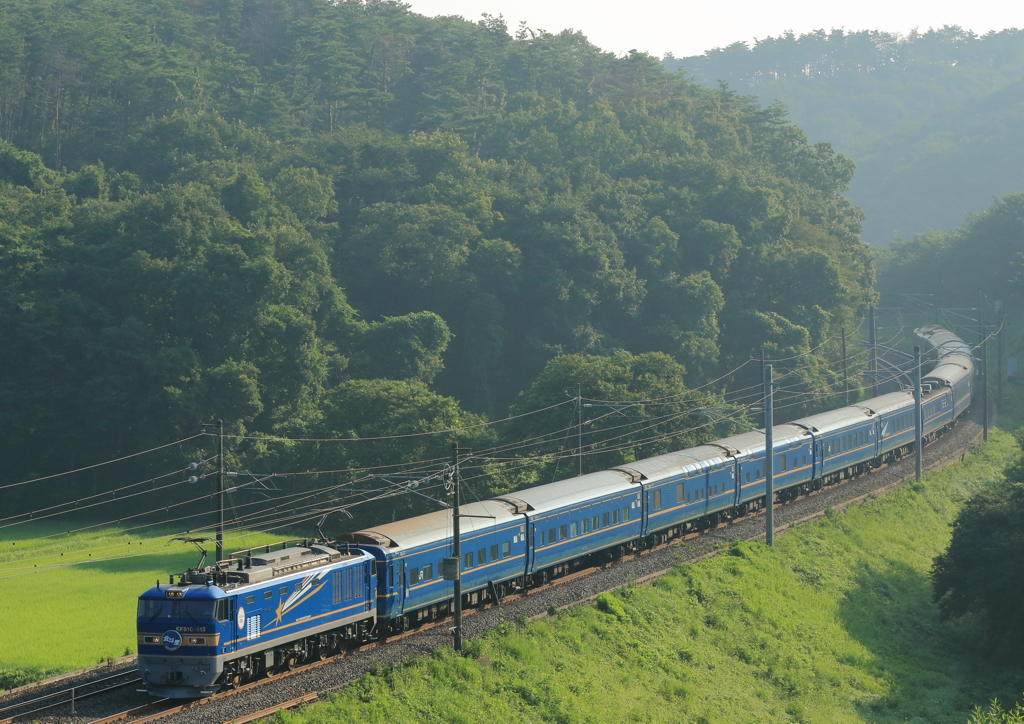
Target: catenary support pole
point(764, 419)
point(918, 424)
point(873, 359)
point(457, 550)
point(984, 382)
point(769, 458)
point(846, 384)
point(999, 360)
point(220, 490)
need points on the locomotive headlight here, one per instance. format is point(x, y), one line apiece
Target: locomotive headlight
point(151, 639)
point(197, 641)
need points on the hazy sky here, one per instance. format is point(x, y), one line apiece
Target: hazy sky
point(689, 28)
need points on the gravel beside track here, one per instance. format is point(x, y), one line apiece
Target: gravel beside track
point(336, 674)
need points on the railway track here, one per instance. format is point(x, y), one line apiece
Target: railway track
point(68, 697)
point(285, 690)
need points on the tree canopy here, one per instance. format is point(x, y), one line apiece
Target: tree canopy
point(278, 212)
point(930, 117)
point(982, 570)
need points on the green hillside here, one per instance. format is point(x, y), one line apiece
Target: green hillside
point(835, 624)
point(337, 220)
point(931, 119)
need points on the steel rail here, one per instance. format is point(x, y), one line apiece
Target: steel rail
point(70, 693)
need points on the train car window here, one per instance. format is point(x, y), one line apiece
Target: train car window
point(586, 525)
point(625, 514)
point(615, 517)
point(805, 460)
point(414, 575)
point(757, 474)
point(782, 464)
point(428, 572)
point(284, 590)
point(494, 551)
point(250, 599)
point(574, 530)
point(748, 477)
point(506, 549)
point(268, 594)
point(688, 496)
point(562, 532)
point(657, 500)
point(596, 523)
point(481, 556)
point(391, 576)
point(604, 520)
point(679, 492)
point(551, 539)
point(297, 586)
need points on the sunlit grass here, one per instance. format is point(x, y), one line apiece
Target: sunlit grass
point(833, 625)
point(68, 601)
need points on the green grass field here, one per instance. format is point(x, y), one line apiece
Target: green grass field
point(833, 625)
point(68, 601)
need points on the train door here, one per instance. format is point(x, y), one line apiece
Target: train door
point(236, 626)
point(401, 587)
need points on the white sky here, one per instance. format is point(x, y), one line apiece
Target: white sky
point(684, 27)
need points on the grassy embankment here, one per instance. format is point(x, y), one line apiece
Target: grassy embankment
point(57, 616)
point(834, 625)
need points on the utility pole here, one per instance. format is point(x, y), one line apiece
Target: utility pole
point(984, 383)
point(873, 360)
point(579, 432)
point(764, 415)
point(457, 545)
point(918, 422)
point(220, 485)
point(769, 458)
point(846, 385)
point(1001, 321)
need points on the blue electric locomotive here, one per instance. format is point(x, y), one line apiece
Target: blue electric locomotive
point(262, 610)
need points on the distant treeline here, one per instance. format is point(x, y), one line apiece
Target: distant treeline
point(321, 220)
point(931, 119)
point(829, 54)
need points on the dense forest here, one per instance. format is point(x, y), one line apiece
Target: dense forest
point(932, 119)
point(344, 220)
point(985, 254)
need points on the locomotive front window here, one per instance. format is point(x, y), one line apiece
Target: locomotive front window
point(175, 608)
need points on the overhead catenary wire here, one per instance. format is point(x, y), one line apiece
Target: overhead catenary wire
point(596, 447)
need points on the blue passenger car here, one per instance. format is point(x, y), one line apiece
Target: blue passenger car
point(843, 439)
point(409, 554)
point(578, 516)
point(680, 487)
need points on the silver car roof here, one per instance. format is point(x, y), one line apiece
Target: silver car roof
point(571, 491)
point(436, 526)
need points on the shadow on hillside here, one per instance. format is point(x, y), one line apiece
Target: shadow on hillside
point(934, 672)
